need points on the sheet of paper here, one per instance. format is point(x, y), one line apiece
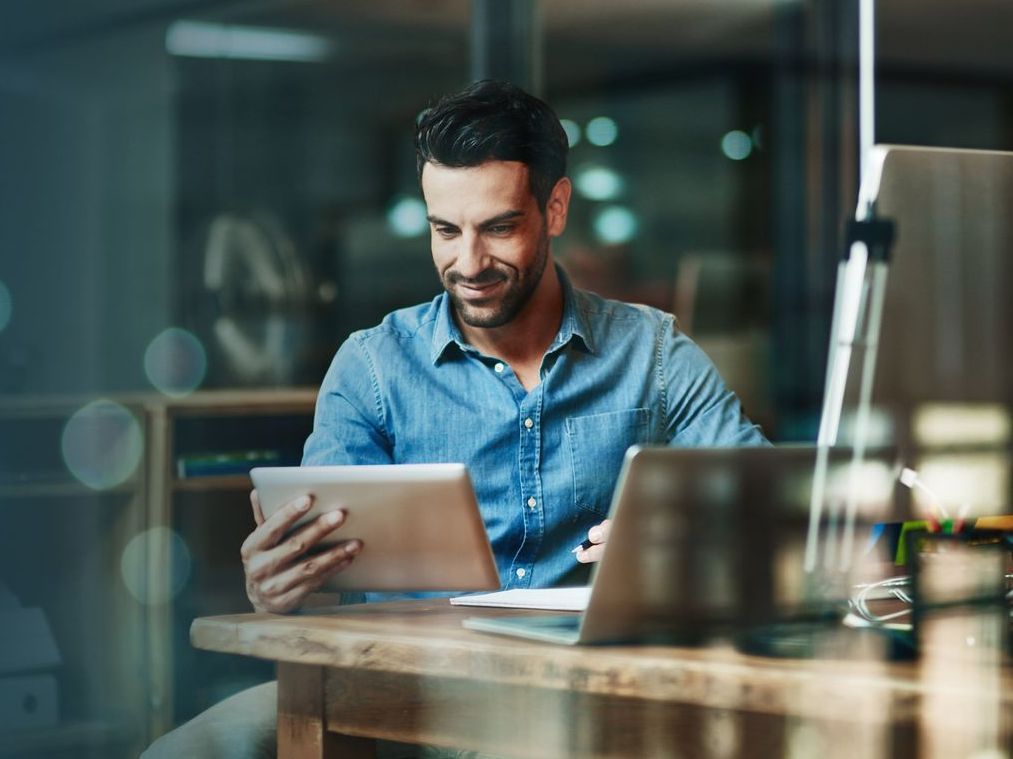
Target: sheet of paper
point(554, 599)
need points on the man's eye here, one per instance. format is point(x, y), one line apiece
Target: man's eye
point(501, 229)
point(446, 231)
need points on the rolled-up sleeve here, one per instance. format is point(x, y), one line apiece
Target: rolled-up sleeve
point(700, 409)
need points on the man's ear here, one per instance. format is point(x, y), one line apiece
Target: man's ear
point(557, 207)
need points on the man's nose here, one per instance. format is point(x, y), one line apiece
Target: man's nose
point(472, 259)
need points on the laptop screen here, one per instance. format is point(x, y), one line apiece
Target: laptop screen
point(704, 539)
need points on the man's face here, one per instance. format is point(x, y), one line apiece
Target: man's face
point(490, 241)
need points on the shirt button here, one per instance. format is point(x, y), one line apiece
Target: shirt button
point(532, 503)
point(528, 423)
point(498, 367)
point(521, 572)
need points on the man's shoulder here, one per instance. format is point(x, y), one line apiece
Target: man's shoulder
point(404, 324)
point(599, 310)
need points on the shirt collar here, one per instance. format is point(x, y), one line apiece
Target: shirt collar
point(445, 331)
point(575, 320)
point(574, 324)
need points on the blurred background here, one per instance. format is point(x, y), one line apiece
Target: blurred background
point(200, 199)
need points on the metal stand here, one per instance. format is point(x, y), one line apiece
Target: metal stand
point(858, 311)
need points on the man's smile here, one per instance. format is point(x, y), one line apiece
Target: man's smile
point(477, 290)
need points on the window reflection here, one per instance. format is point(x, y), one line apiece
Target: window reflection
point(241, 177)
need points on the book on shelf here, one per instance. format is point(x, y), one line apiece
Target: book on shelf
point(227, 463)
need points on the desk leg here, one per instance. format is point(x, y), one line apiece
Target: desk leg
point(302, 732)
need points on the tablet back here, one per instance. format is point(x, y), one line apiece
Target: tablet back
point(419, 524)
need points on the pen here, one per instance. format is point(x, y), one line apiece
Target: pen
point(583, 546)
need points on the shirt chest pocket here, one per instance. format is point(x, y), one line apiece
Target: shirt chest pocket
point(597, 444)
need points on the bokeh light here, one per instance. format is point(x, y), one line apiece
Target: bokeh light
point(976, 481)
point(102, 444)
point(407, 217)
point(737, 145)
point(6, 306)
point(602, 131)
point(952, 424)
point(870, 484)
point(615, 224)
point(175, 362)
point(879, 427)
point(598, 183)
point(155, 565)
point(572, 129)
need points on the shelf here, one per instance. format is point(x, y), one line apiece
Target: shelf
point(212, 515)
point(219, 482)
point(134, 661)
point(237, 402)
point(229, 402)
point(61, 490)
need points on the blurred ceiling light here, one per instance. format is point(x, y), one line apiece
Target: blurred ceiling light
point(6, 306)
point(615, 224)
point(977, 482)
point(598, 183)
point(407, 217)
point(737, 145)
point(572, 129)
point(870, 483)
point(940, 424)
point(879, 428)
point(200, 39)
point(601, 131)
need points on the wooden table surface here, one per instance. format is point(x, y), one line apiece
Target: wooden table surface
point(409, 671)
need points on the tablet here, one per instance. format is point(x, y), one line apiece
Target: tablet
point(419, 524)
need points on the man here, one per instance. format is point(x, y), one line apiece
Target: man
point(538, 387)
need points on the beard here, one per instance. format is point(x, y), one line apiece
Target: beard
point(498, 310)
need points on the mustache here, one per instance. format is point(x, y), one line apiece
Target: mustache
point(486, 277)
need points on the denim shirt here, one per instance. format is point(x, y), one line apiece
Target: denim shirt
point(543, 462)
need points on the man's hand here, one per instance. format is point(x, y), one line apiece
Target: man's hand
point(279, 575)
point(597, 535)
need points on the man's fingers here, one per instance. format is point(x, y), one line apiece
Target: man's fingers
point(270, 533)
point(293, 598)
point(592, 554)
point(316, 567)
point(309, 535)
point(598, 535)
point(263, 564)
point(274, 583)
point(600, 532)
point(258, 513)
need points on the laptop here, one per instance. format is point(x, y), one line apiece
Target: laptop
point(710, 540)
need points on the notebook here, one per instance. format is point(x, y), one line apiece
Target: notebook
point(552, 599)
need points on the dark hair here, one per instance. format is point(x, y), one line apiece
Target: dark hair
point(494, 121)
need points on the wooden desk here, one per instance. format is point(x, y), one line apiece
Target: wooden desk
point(407, 671)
